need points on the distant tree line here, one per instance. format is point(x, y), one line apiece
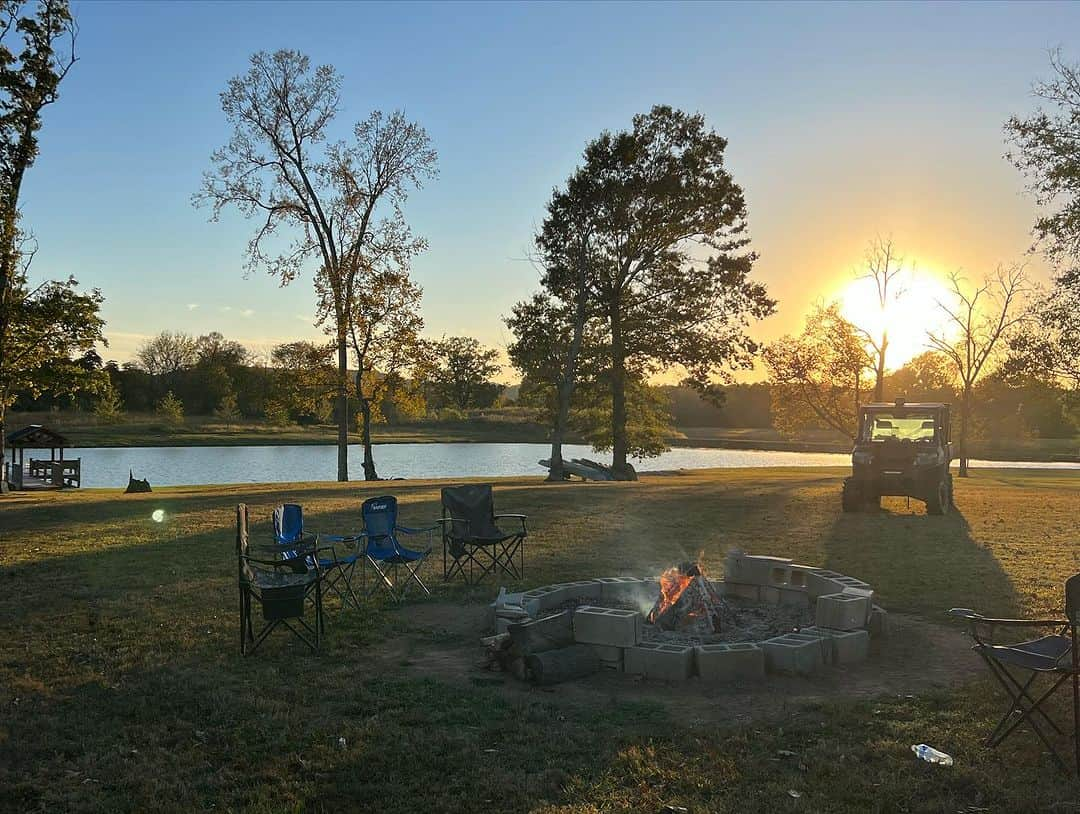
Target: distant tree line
point(295, 382)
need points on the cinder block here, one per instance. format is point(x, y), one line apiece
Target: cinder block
point(797, 653)
point(729, 662)
point(541, 599)
point(822, 582)
point(663, 662)
point(842, 611)
point(757, 570)
point(799, 574)
point(548, 597)
point(583, 590)
point(879, 622)
point(628, 589)
point(794, 596)
point(611, 658)
point(740, 590)
point(610, 626)
point(845, 646)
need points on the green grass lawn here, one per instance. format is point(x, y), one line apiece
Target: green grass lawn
point(122, 689)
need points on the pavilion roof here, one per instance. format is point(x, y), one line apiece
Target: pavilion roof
point(36, 436)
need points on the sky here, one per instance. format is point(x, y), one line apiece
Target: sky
point(844, 121)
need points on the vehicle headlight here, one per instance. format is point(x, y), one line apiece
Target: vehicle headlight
point(862, 457)
point(927, 458)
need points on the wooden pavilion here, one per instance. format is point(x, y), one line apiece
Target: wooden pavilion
point(37, 473)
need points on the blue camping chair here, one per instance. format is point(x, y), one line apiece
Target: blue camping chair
point(385, 553)
point(336, 570)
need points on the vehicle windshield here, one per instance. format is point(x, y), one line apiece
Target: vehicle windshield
point(903, 425)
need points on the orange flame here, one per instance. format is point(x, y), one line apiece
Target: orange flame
point(672, 583)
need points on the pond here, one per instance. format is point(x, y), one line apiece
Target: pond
point(181, 466)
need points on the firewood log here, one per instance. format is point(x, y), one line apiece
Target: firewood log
point(565, 664)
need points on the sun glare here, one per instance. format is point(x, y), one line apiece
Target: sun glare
point(907, 318)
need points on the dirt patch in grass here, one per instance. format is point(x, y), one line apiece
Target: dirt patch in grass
point(441, 640)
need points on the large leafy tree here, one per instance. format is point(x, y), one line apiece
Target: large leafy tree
point(550, 328)
point(306, 376)
point(324, 200)
point(462, 370)
point(668, 257)
point(41, 327)
point(820, 377)
point(1049, 346)
point(1046, 148)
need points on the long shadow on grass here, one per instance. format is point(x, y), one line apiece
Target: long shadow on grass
point(919, 563)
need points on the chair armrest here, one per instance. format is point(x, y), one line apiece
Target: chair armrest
point(269, 563)
point(407, 530)
point(343, 538)
point(978, 618)
point(444, 520)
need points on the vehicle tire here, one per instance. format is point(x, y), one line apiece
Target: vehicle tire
point(872, 503)
point(952, 495)
point(938, 501)
point(851, 497)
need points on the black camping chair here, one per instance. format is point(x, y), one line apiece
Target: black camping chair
point(473, 544)
point(1017, 667)
point(280, 586)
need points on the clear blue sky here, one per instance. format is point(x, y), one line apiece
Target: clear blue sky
point(844, 121)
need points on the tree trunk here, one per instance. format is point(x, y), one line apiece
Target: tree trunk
point(965, 419)
point(365, 436)
point(619, 443)
point(618, 397)
point(343, 408)
point(566, 388)
point(3, 450)
point(879, 380)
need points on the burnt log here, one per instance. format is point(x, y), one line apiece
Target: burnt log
point(540, 635)
point(565, 664)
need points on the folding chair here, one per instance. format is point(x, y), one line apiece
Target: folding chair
point(383, 551)
point(1054, 658)
point(281, 587)
point(473, 540)
point(337, 571)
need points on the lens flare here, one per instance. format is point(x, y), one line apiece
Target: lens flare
point(158, 515)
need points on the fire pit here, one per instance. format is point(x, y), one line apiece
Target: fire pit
point(768, 614)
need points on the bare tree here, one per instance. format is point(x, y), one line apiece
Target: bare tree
point(884, 267)
point(978, 319)
point(279, 168)
point(167, 353)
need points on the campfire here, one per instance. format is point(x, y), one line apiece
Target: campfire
point(688, 602)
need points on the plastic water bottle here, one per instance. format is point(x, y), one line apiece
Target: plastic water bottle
point(931, 755)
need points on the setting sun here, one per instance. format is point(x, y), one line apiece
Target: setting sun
point(906, 318)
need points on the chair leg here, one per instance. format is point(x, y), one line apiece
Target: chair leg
point(1019, 696)
point(243, 625)
point(1027, 714)
point(1076, 715)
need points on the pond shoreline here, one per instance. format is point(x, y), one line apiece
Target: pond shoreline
point(1005, 453)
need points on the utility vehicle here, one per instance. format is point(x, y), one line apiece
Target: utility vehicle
point(901, 449)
